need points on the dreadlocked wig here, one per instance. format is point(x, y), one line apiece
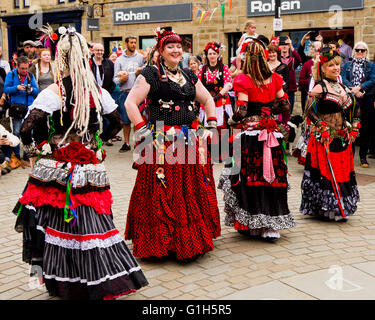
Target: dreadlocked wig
point(73, 58)
point(255, 64)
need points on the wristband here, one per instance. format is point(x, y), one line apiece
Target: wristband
point(241, 103)
point(139, 125)
point(353, 134)
point(325, 134)
point(211, 118)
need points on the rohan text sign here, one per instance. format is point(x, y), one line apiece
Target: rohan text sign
point(267, 7)
point(164, 13)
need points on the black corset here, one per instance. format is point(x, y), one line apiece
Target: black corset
point(258, 108)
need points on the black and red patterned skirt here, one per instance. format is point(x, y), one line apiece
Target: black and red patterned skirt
point(173, 207)
point(319, 195)
point(251, 202)
point(69, 236)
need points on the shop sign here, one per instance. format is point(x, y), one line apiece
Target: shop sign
point(92, 24)
point(162, 13)
point(267, 7)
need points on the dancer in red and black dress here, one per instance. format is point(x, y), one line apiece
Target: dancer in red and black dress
point(173, 207)
point(65, 213)
point(329, 187)
point(255, 187)
point(215, 76)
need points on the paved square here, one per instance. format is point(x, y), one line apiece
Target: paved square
point(296, 267)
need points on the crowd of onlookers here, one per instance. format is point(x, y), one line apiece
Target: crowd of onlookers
point(32, 70)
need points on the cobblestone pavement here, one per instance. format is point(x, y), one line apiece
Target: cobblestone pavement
point(314, 260)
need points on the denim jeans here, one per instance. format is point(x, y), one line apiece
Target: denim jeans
point(16, 131)
point(291, 101)
point(5, 153)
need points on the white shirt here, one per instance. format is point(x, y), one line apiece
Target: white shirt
point(5, 65)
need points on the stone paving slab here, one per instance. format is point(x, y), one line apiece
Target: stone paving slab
point(293, 268)
point(274, 290)
point(335, 283)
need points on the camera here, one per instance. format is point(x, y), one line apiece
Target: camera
point(313, 35)
point(28, 88)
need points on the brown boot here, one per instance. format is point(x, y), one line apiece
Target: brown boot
point(5, 168)
point(25, 163)
point(14, 162)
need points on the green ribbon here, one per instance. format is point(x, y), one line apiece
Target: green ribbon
point(99, 141)
point(284, 153)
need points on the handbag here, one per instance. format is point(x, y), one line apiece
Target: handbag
point(17, 111)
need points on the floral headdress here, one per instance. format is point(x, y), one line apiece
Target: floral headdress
point(326, 54)
point(163, 33)
point(216, 46)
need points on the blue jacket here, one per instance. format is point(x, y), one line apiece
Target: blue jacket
point(368, 85)
point(17, 96)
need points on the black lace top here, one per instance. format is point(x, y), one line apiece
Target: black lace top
point(170, 102)
point(39, 123)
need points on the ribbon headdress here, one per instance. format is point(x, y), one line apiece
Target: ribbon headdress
point(326, 54)
point(163, 33)
point(246, 42)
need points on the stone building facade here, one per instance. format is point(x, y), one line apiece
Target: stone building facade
point(360, 22)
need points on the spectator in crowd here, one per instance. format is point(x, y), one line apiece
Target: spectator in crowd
point(43, 69)
point(113, 57)
point(185, 56)
point(21, 87)
point(305, 74)
point(3, 63)
point(335, 47)
point(301, 49)
point(91, 48)
point(194, 64)
point(102, 68)
point(29, 49)
point(359, 76)
point(275, 64)
point(249, 32)
point(2, 94)
point(13, 61)
point(292, 59)
point(127, 67)
point(7, 141)
point(345, 50)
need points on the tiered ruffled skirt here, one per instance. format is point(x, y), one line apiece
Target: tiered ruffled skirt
point(85, 258)
point(319, 197)
point(250, 201)
point(178, 215)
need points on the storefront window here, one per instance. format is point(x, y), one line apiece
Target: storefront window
point(16, 4)
point(26, 3)
point(146, 42)
point(233, 39)
point(149, 41)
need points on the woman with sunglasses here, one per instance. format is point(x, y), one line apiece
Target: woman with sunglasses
point(359, 76)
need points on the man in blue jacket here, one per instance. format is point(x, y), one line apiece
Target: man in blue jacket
point(22, 88)
point(359, 76)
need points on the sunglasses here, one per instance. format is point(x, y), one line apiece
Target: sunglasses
point(360, 50)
